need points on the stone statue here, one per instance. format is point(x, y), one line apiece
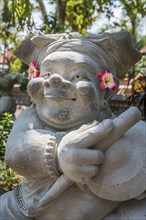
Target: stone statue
point(78, 161)
point(7, 102)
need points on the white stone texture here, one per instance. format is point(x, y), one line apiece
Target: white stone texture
point(78, 161)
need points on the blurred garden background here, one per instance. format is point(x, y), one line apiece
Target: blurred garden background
point(20, 19)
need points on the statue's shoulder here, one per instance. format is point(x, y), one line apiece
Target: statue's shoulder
point(29, 111)
point(28, 118)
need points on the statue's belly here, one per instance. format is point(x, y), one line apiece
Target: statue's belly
point(75, 204)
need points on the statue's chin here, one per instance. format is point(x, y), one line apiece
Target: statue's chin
point(63, 126)
point(66, 124)
point(66, 116)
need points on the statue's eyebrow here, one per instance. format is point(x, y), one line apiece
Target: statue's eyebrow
point(71, 66)
point(84, 65)
point(47, 69)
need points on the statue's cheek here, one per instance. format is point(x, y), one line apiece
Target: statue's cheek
point(85, 90)
point(35, 88)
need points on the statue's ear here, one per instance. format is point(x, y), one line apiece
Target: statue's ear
point(29, 49)
point(110, 93)
point(26, 51)
point(128, 55)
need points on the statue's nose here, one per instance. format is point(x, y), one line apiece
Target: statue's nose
point(57, 81)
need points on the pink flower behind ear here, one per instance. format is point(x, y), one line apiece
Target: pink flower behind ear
point(32, 71)
point(107, 80)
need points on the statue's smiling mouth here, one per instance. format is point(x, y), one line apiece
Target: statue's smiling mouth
point(59, 95)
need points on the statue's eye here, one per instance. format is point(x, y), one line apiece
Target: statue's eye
point(76, 77)
point(80, 77)
point(46, 76)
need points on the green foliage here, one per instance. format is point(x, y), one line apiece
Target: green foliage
point(138, 83)
point(5, 127)
point(17, 13)
point(8, 178)
point(24, 81)
point(141, 66)
point(134, 10)
point(18, 19)
point(80, 15)
point(15, 66)
point(20, 68)
point(76, 15)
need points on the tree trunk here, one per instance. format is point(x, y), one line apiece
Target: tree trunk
point(61, 11)
point(42, 7)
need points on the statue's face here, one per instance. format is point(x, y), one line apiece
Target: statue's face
point(67, 92)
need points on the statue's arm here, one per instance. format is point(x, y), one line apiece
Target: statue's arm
point(29, 146)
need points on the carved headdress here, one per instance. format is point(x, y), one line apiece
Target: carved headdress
point(109, 49)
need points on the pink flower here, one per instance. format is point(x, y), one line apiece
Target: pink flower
point(107, 80)
point(32, 71)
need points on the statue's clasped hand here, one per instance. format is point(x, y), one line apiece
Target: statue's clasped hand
point(78, 154)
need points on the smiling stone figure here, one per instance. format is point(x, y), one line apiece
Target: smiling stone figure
point(79, 162)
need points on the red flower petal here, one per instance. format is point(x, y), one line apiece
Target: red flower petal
point(107, 80)
point(32, 64)
point(32, 71)
point(101, 75)
point(37, 73)
point(112, 86)
point(103, 85)
point(108, 72)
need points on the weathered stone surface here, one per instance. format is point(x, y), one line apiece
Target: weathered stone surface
point(79, 162)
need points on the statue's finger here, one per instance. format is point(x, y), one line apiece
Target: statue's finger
point(88, 126)
point(92, 136)
point(86, 157)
